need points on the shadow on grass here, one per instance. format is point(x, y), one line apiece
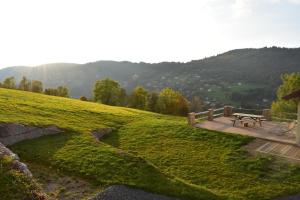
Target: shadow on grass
point(78, 155)
point(112, 139)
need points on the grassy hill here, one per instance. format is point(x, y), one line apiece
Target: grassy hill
point(157, 153)
point(225, 78)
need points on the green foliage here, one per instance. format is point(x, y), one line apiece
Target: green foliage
point(123, 97)
point(25, 84)
point(139, 98)
point(290, 83)
point(59, 91)
point(107, 91)
point(152, 102)
point(83, 98)
point(172, 102)
point(51, 91)
point(62, 91)
point(37, 86)
point(9, 83)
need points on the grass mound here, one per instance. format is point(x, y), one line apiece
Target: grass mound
point(154, 152)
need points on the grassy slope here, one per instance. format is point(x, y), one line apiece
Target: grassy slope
point(151, 151)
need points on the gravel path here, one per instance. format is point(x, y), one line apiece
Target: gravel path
point(121, 192)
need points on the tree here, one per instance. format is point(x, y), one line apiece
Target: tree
point(62, 91)
point(138, 98)
point(51, 91)
point(172, 102)
point(107, 91)
point(25, 84)
point(83, 98)
point(9, 83)
point(36, 86)
point(196, 104)
point(123, 97)
point(152, 101)
point(290, 83)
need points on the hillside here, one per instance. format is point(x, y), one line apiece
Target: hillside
point(154, 152)
point(243, 76)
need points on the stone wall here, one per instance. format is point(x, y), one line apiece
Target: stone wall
point(11, 133)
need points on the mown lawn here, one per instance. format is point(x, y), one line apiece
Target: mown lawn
point(155, 152)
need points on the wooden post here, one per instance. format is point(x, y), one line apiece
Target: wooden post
point(227, 111)
point(298, 126)
point(210, 115)
point(191, 118)
point(267, 114)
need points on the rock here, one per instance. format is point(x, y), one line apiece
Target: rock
point(15, 164)
point(7, 152)
point(11, 133)
point(101, 132)
point(122, 192)
point(21, 167)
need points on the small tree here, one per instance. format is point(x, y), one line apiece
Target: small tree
point(51, 91)
point(62, 91)
point(25, 84)
point(83, 98)
point(172, 102)
point(290, 83)
point(152, 102)
point(36, 86)
point(9, 83)
point(123, 97)
point(107, 91)
point(138, 98)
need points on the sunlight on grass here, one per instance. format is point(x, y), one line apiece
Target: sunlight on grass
point(154, 152)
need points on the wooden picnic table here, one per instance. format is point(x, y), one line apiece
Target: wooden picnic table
point(255, 118)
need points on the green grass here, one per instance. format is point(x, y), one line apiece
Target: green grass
point(154, 152)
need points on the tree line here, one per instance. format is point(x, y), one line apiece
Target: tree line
point(33, 86)
point(167, 101)
point(110, 92)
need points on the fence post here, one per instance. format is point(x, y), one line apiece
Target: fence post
point(210, 115)
point(227, 111)
point(267, 114)
point(191, 118)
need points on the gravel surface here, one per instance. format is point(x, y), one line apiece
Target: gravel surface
point(122, 192)
point(292, 197)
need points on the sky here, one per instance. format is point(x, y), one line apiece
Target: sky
point(34, 32)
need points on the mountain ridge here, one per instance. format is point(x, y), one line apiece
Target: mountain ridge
point(215, 79)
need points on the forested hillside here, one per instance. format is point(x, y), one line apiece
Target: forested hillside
point(244, 76)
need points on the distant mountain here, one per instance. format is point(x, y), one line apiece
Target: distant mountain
point(242, 76)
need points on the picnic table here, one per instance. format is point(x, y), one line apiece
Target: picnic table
point(254, 118)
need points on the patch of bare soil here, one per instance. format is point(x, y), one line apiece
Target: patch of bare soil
point(61, 187)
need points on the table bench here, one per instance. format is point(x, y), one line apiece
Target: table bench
point(247, 118)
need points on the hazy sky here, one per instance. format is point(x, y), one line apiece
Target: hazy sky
point(34, 32)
